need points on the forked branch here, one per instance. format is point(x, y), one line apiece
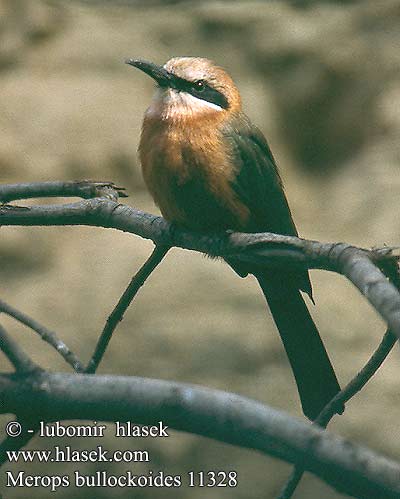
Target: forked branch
point(225, 417)
point(359, 265)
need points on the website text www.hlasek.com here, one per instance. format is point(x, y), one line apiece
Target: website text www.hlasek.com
point(152, 478)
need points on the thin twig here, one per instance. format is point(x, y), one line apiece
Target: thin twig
point(85, 189)
point(351, 389)
point(117, 314)
point(359, 381)
point(18, 358)
point(45, 334)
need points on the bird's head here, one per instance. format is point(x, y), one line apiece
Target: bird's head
point(190, 87)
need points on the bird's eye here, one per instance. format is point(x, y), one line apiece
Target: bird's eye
point(199, 85)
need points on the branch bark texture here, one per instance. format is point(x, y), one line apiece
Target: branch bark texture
point(34, 394)
point(271, 250)
point(223, 416)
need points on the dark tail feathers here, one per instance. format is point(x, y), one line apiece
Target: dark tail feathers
point(312, 369)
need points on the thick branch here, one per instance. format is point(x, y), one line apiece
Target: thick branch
point(270, 250)
point(211, 413)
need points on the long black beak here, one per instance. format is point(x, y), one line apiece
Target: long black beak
point(158, 73)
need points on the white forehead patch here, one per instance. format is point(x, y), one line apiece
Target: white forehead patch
point(169, 103)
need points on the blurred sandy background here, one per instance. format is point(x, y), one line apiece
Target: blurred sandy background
point(321, 79)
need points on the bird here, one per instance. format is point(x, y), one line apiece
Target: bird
point(209, 168)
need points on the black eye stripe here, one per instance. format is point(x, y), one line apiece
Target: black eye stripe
point(199, 85)
point(209, 94)
point(202, 91)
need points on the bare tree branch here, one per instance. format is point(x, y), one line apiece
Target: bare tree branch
point(23, 366)
point(18, 358)
point(117, 314)
point(223, 416)
point(46, 335)
point(351, 389)
point(270, 250)
point(390, 268)
point(359, 381)
point(85, 189)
